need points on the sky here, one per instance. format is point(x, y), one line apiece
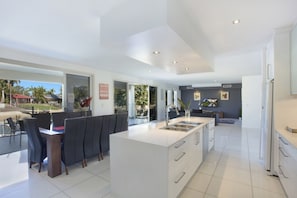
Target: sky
point(46, 85)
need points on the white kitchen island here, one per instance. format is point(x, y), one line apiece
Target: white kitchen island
point(150, 162)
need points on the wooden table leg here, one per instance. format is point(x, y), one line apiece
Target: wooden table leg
point(54, 155)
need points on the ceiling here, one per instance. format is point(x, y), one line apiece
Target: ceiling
point(121, 35)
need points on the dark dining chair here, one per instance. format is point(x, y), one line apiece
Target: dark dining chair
point(14, 129)
point(22, 130)
point(58, 119)
point(92, 137)
point(36, 144)
point(108, 127)
point(43, 120)
point(121, 122)
point(72, 145)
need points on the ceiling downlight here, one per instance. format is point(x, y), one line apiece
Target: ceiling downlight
point(236, 21)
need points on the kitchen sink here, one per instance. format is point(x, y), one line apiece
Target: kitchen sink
point(189, 123)
point(178, 127)
point(183, 126)
point(174, 128)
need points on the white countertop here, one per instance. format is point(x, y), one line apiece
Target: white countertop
point(290, 137)
point(152, 134)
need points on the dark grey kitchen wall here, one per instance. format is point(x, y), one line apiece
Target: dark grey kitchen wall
point(231, 108)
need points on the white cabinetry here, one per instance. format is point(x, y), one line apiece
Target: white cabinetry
point(146, 170)
point(184, 158)
point(287, 166)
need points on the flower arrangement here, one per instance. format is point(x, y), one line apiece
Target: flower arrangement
point(183, 105)
point(85, 102)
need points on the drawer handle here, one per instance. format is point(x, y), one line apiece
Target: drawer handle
point(282, 172)
point(180, 144)
point(283, 141)
point(283, 152)
point(198, 138)
point(179, 157)
point(182, 175)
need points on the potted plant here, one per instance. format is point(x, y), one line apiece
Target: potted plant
point(185, 107)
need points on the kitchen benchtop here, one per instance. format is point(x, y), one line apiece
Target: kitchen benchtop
point(290, 137)
point(152, 134)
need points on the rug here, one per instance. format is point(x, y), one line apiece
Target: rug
point(6, 147)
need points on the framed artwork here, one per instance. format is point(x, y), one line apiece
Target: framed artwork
point(197, 95)
point(103, 91)
point(209, 102)
point(224, 95)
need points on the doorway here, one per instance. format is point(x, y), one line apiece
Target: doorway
point(153, 103)
point(138, 104)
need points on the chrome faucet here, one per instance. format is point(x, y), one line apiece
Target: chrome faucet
point(167, 112)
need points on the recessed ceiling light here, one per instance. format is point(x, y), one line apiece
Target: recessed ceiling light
point(174, 62)
point(236, 21)
point(156, 52)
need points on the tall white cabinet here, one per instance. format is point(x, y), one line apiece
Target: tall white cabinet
point(251, 101)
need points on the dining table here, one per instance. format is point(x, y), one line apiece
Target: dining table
point(53, 146)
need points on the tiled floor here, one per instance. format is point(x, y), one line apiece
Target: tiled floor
point(232, 169)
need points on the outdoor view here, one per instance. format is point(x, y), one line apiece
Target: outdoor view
point(28, 96)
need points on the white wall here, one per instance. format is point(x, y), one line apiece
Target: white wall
point(101, 107)
point(294, 60)
point(54, 74)
point(251, 101)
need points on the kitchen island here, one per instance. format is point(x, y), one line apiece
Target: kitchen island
point(153, 160)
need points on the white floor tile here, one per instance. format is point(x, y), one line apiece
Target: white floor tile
point(60, 195)
point(235, 162)
point(209, 196)
point(34, 186)
point(199, 182)
point(96, 167)
point(105, 175)
point(93, 187)
point(190, 193)
point(269, 183)
point(261, 193)
point(234, 174)
point(207, 168)
point(228, 189)
point(75, 176)
point(109, 196)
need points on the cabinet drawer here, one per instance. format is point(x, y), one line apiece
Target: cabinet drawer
point(177, 183)
point(179, 147)
point(287, 166)
point(179, 163)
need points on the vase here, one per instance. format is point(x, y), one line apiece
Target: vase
point(187, 114)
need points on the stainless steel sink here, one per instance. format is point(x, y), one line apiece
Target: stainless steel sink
point(189, 123)
point(178, 127)
point(183, 126)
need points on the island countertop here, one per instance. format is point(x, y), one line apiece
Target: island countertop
point(152, 134)
point(147, 161)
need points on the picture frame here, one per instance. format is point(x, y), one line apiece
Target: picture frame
point(197, 95)
point(103, 91)
point(224, 95)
